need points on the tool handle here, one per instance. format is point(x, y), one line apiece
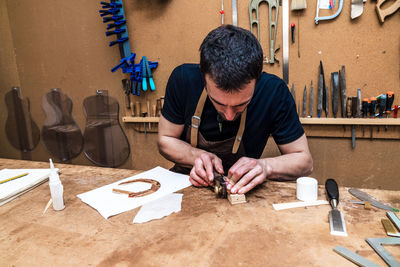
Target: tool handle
point(332, 190)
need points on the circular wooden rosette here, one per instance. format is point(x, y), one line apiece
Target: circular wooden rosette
point(155, 185)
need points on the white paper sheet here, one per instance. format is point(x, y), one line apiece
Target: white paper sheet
point(159, 208)
point(108, 203)
point(13, 188)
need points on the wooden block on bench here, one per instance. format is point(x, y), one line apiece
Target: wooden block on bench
point(237, 198)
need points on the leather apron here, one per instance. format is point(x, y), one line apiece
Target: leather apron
point(229, 150)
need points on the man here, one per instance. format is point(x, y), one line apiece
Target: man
point(225, 126)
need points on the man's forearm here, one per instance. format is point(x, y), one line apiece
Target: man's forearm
point(178, 151)
point(288, 166)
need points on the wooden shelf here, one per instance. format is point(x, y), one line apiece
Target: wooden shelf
point(349, 121)
point(140, 119)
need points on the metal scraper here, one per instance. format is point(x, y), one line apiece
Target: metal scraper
point(365, 197)
point(336, 220)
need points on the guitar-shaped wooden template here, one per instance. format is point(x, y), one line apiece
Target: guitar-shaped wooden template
point(60, 134)
point(105, 142)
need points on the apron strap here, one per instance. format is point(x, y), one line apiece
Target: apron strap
point(239, 134)
point(196, 119)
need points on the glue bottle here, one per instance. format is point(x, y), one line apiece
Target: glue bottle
point(56, 189)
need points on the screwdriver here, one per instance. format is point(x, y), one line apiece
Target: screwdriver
point(382, 107)
point(396, 109)
point(292, 27)
point(389, 102)
point(372, 106)
point(365, 104)
point(382, 104)
point(372, 110)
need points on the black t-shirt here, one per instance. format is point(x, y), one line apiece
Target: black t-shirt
point(271, 111)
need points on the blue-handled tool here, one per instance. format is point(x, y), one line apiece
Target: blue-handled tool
point(116, 31)
point(144, 74)
point(112, 18)
point(119, 40)
point(116, 24)
point(150, 76)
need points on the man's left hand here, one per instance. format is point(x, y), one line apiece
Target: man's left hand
point(246, 173)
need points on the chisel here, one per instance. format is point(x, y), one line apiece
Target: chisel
point(335, 93)
point(336, 220)
point(342, 83)
point(325, 98)
point(304, 101)
point(319, 95)
point(325, 104)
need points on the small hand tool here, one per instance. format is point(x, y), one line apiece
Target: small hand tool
point(311, 104)
point(382, 104)
point(335, 93)
point(396, 109)
point(292, 28)
point(13, 178)
point(389, 228)
point(304, 101)
point(336, 220)
point(366, 197)
point(112, 18)
point(349, 106)
point(326, 102)
point(116, 24)
point(116, 31)
point(325, 97)
point(376, 244)
point(320, 95)
point(354, 257)
point(358, 108)
point(220, 185)
point(342, 83)
point(364, 107)
point(357, 7)
point(389, 102)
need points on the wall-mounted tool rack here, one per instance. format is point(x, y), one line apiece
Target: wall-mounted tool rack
point(350, 121)
point(360, 128)
point(334, 122)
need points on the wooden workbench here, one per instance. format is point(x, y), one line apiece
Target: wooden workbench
point(208, 231)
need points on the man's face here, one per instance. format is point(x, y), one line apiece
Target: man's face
point(229, 105)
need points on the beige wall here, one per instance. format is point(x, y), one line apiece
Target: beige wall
point(48, 44)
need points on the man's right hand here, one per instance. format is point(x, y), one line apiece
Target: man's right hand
point(202, 173)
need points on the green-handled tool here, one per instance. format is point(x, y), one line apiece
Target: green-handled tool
point(366, 197)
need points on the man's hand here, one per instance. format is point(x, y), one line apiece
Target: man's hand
point(202, 173)
point(246, 173)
